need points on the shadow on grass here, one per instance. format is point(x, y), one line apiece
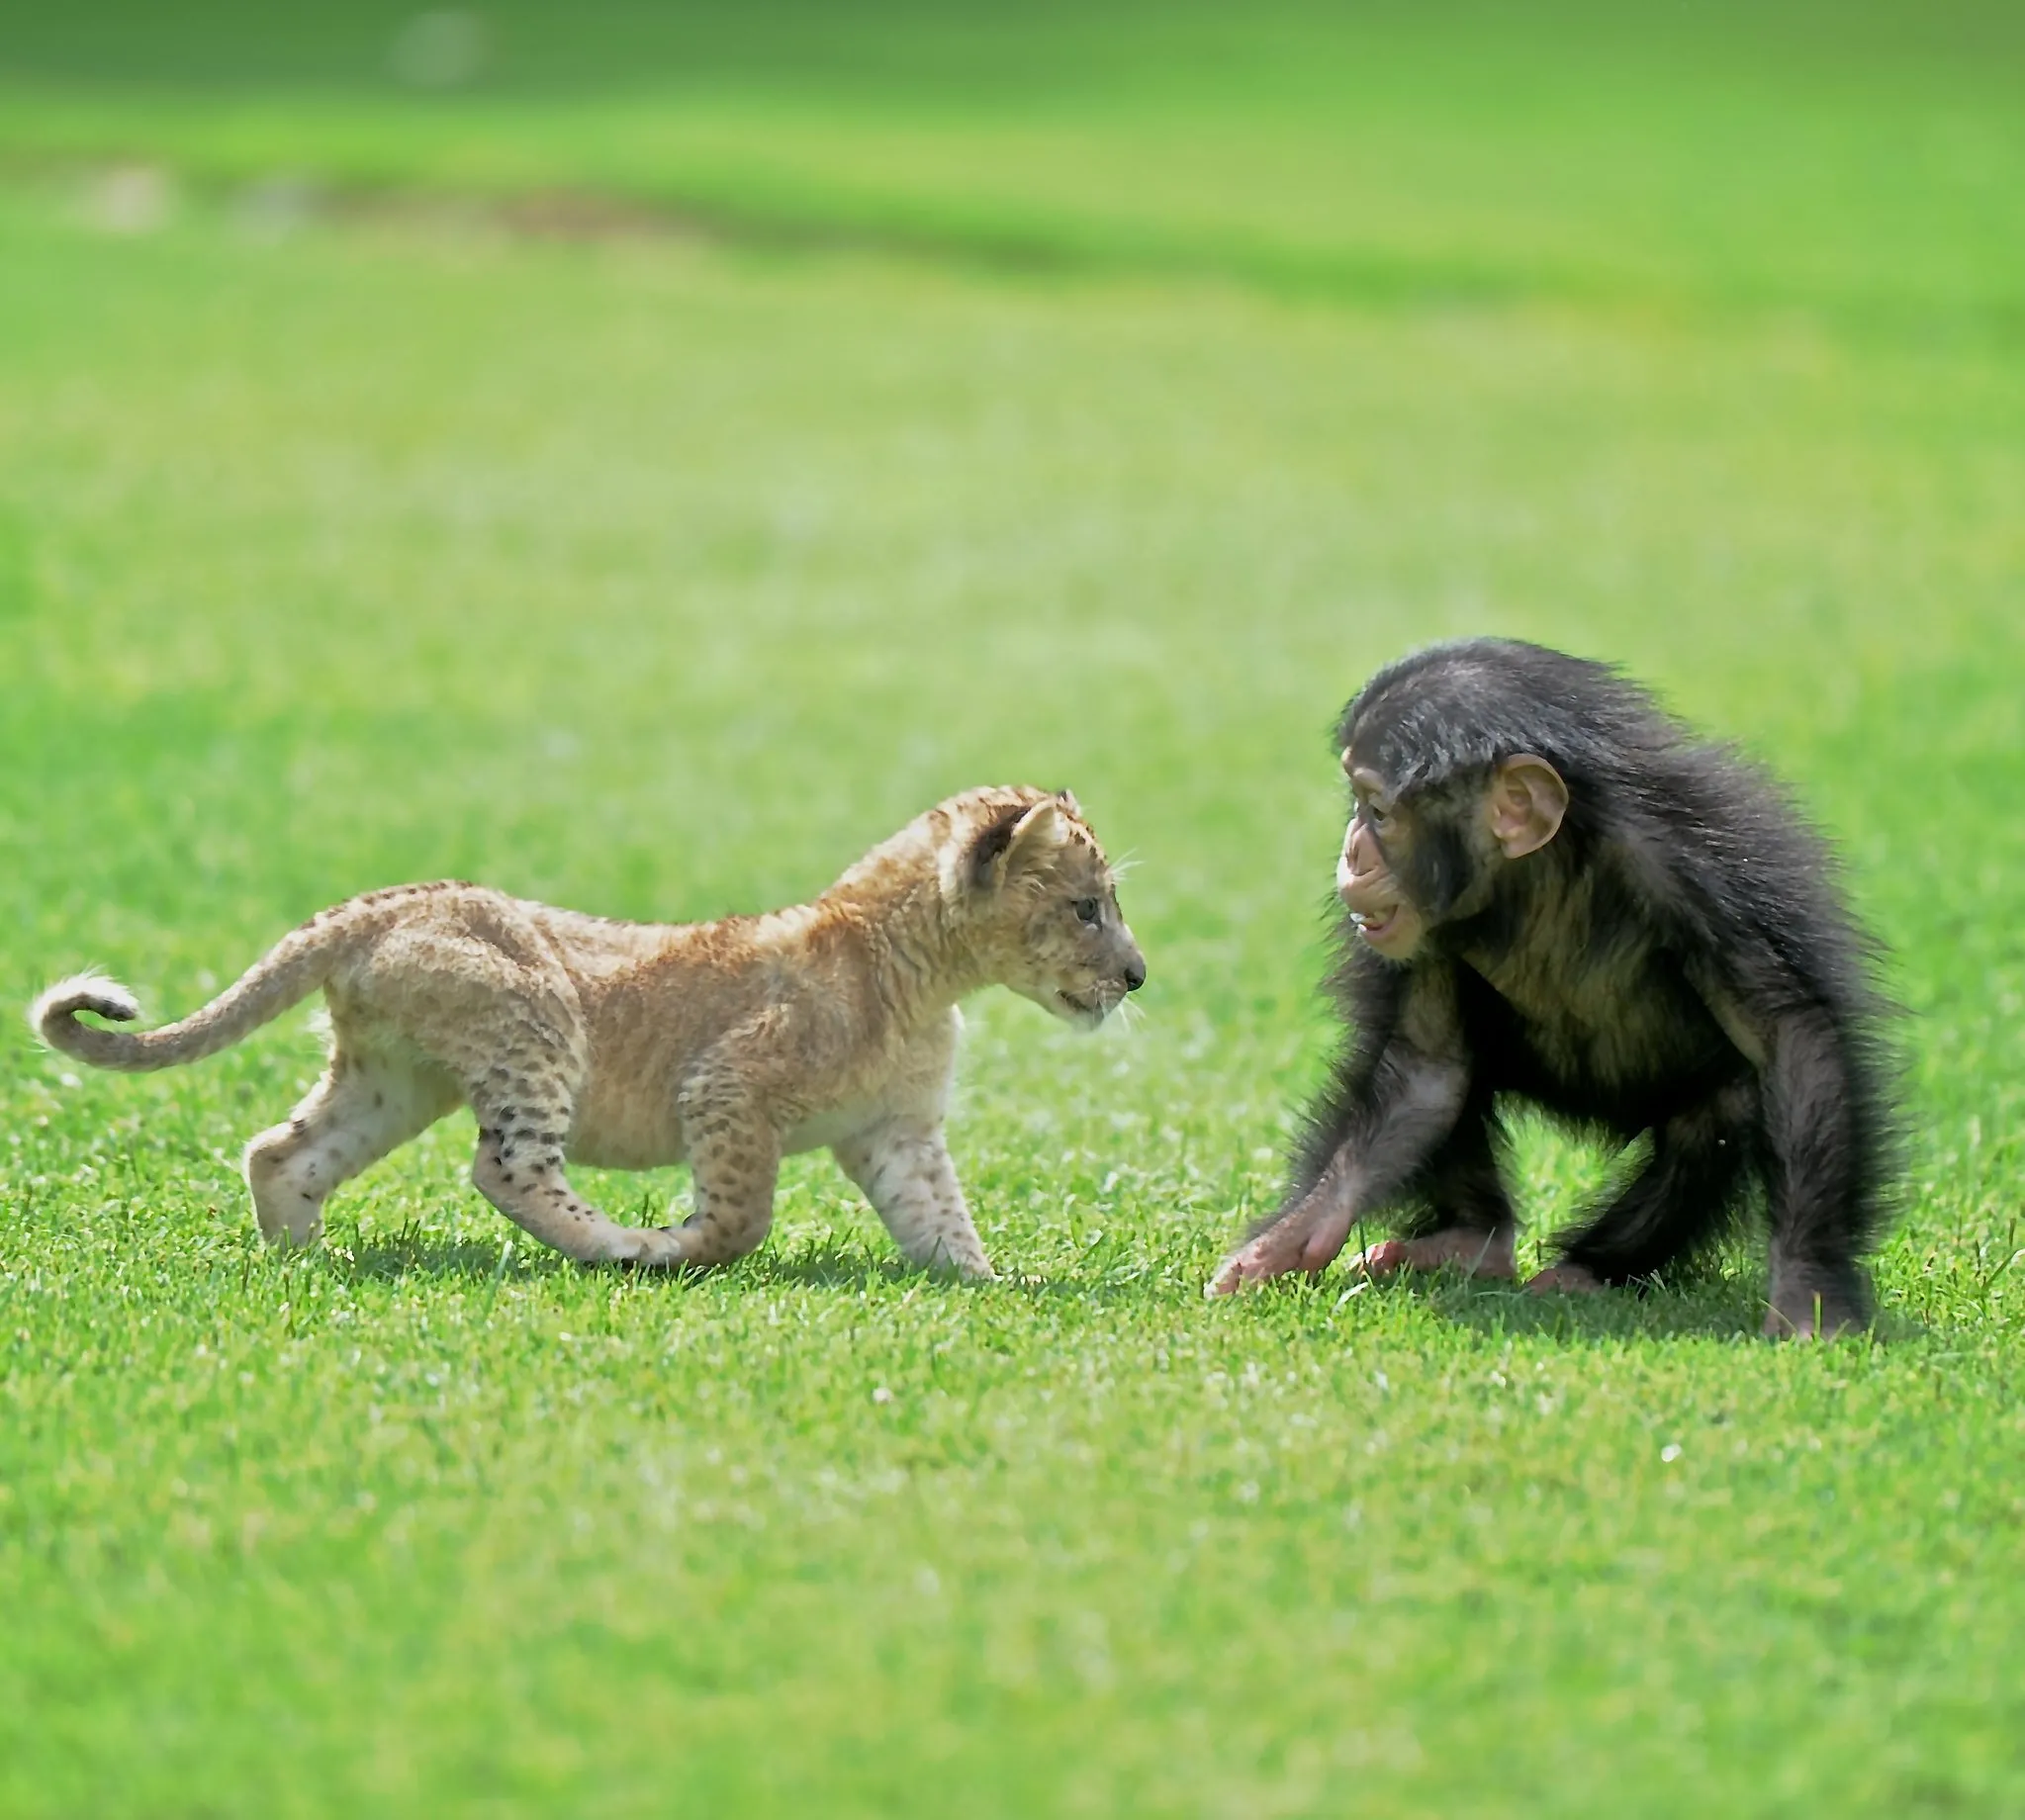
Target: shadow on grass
point(412, 1251)
point(1702, 1311)
point(834, 1264)
point(827, 1269)
point(1714, 1307)
point(838, 1263)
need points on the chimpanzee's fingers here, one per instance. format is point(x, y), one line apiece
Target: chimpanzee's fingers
point(1230, 1276)
point(1274, 1252)
point(1263, 1257)
point(1325, 1242)
point(1304, 1238)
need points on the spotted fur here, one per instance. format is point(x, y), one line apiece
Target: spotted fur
point(726, 1044)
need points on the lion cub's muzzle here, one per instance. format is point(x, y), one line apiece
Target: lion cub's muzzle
point(1108, 991)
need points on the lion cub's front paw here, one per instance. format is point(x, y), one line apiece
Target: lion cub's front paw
point(966, 1262)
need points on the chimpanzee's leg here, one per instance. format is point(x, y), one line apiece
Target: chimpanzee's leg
point(1687, 1193)
point(1466, 1218)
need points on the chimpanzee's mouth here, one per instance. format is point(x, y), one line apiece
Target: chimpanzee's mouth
point(1375, 925)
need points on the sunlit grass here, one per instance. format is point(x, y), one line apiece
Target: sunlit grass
point(660, 577)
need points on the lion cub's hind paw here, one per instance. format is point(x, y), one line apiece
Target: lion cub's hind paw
point(649, 1247)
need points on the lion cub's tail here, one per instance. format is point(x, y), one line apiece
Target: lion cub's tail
point(294, 968)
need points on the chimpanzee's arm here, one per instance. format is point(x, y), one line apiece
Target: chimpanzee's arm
point(1395, 1097)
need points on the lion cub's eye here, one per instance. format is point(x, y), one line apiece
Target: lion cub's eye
point(1088, 910)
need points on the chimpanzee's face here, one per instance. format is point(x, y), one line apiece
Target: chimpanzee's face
point(1410, 866)
point(1369, 875)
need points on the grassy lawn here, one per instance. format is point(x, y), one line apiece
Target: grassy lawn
point(866, 412)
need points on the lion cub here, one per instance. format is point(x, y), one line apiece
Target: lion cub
point(632, 1045)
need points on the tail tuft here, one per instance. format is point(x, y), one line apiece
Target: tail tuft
point(51, 1015)
point(291, 970)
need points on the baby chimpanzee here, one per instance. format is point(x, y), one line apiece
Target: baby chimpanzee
point(1555, 891)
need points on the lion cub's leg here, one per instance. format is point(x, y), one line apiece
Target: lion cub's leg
point(519, 1168)
point(734, 1157)
point(905, 1172)
point(364, 1106)
point(535, 1194)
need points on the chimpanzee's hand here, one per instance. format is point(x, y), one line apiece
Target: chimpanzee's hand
point(1305, 1237)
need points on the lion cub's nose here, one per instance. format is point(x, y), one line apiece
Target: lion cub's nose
point(1135, 973)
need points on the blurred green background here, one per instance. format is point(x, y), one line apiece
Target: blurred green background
point(638, 456)
point(1796, 156)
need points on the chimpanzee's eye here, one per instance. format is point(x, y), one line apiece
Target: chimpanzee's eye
point(1088, 910)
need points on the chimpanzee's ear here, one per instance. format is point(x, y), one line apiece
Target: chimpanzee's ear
point(1014, 841)
point(1528, 801)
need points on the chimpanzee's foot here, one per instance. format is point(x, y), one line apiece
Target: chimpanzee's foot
point(1812, 1300)
point(1470, 1249)
point(1814, 1315)
point(1564, 1280)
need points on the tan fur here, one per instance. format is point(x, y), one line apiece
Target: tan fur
point(628, 1046)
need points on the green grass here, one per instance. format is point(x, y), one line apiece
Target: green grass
point(659, 573)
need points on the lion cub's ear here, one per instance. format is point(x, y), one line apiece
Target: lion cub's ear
point(1035, 835)
point(1015, 842)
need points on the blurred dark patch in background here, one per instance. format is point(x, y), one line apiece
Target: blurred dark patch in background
point(956, 50)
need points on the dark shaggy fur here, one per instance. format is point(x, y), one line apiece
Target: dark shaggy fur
point(1676, 963)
